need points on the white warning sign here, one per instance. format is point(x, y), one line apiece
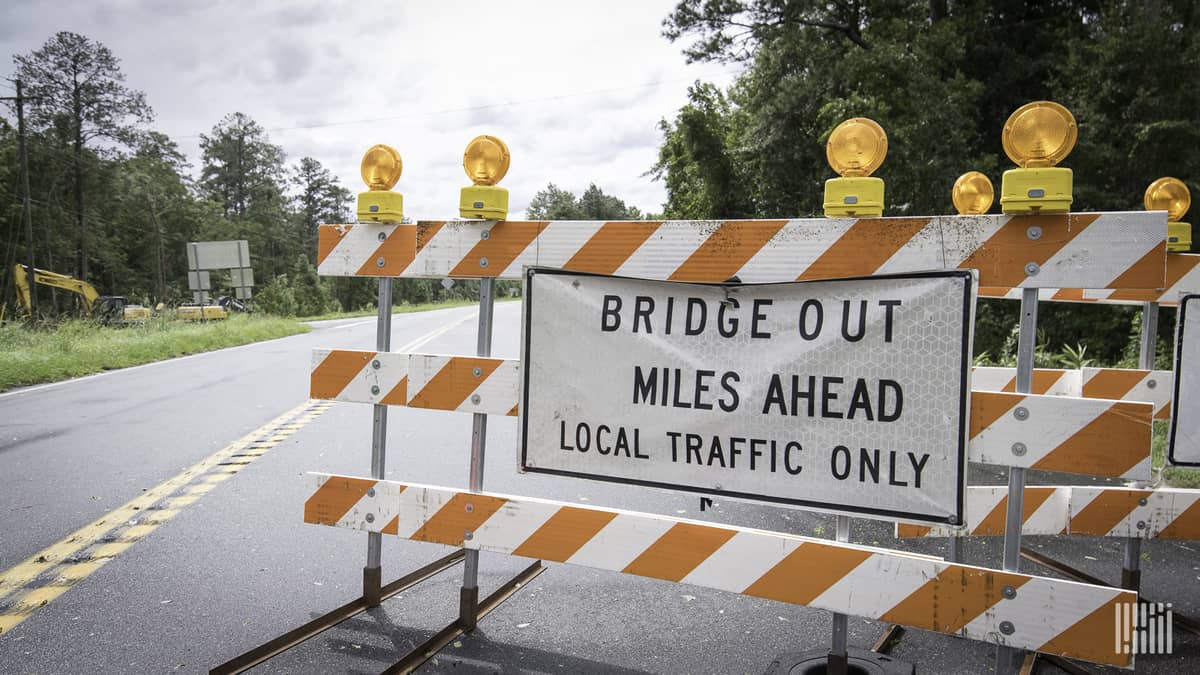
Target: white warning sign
point(847, 396)
point(1183, 442)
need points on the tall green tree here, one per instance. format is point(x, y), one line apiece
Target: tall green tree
point(154, 201)
point(941, 77)
point(243, 173)
point(78, 96)
point(318, 198)
point(1141, 120)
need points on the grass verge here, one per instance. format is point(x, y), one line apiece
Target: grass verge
point(78, 348)
point(399, 309)
point(1173, 476)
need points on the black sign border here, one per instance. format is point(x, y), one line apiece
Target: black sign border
point(953, 520)
point(1175, 407)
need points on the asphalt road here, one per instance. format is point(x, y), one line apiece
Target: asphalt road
point(224, 562)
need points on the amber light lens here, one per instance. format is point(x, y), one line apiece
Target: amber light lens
point(856, 147)
point(1170, 195)
point(381, 167)
point(486, 160)
point(1039, 134)
point(973, 193)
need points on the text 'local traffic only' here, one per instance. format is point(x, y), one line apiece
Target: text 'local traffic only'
point(846, 395)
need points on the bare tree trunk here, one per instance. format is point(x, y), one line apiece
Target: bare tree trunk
point(81, 252)
point(938, 10)
point(50, 266)
point(161, 285)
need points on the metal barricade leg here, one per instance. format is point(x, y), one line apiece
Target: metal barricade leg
point(373, 572)
point(1009, 659)
point(1131, 572)
point(838, 660)
point(469, 595)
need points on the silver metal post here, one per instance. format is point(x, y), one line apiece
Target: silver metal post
point(1131, 571)
point(372, 576)
point(838, 660)
point(469, 596)
point(1008, 659)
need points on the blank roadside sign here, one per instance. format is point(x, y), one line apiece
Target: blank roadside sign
point(211, 255)
point(1183, 443)
point(847, 396)
point(199, 281)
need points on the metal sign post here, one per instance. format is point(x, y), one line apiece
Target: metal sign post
point(469, 595)
point(1008, 659)
point(838, 658)
point(372, 573)
point(1131, 573)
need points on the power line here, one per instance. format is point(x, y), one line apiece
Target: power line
point(490, 106)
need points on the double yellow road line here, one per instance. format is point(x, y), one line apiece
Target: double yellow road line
point(53, 571)
point(46, 575)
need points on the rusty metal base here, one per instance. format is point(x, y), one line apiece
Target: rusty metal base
point(1029, 665)
point(433, 645)
point(355, 607)
point(889, 638)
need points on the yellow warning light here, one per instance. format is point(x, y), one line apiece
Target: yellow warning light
point(1036, 137)
point(856, 148)
point(381, 168)
point(1039, 134)
point(972, 193)
point(485, 161)
point(1172, 195)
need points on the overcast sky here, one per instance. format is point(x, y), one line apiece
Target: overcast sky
point(576, 89)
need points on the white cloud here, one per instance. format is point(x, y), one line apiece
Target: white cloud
point(575, 89)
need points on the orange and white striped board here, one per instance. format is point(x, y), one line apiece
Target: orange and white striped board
point(1055, 433)
point(1165, 513)
point(463, 383)
point(360, 377)
point(1151, 386)
point(1048, 615)
point(1048, 381)
point(1093, 250)
point(460, 383)
point(1113, 384)
point(1059, 433)
point(1183, 277)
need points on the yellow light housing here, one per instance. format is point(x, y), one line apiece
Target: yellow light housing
point(381, 168)
point(486, 162)
point(1036, 137)
point(856, 148)
point(1172, 195)
point(972, 193)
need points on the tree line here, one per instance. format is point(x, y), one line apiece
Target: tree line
point(114, 202)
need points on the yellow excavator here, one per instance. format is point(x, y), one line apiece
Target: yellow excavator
point(106, 309)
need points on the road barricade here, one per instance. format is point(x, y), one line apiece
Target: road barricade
point(1055, 426)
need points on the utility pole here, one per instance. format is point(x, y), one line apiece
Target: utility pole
point(26, 216)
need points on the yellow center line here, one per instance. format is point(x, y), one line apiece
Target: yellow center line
point(20, 597)
point(136, 517)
